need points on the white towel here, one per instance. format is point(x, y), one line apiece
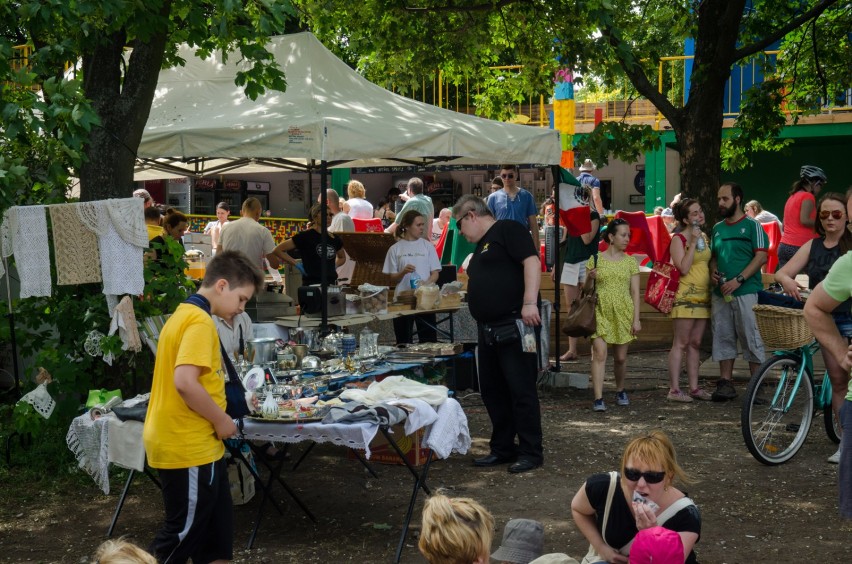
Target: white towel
point(397, 387)
point(420, 415)
point(126, 448)
point(450, 432)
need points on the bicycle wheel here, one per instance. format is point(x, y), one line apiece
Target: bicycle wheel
point(775, 420)
point(830, 418)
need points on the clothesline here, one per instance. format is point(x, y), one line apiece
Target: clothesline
point(100, 241)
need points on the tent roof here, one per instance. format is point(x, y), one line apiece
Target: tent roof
point(329, 112)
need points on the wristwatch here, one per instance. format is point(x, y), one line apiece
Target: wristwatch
point(739, 278)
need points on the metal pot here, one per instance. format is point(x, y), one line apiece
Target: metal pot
point(260, 351)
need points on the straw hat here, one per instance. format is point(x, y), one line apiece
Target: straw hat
point(587, 166)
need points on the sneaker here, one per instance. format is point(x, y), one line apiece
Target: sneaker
point(621, 398)
point(835, 458)
point(724, 390)
point(700, 394)
point(599, 405)
point(679, 396)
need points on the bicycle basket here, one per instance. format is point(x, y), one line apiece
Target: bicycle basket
point(782, 328)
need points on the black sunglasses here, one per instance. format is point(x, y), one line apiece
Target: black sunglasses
point(619, 221)
point(633, 475)
point(510, 175)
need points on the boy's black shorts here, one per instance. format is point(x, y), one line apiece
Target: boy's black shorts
point(199, 515)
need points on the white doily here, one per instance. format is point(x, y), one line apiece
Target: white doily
point(10, 218)
point(92, 346)
point(88, 440)
point(32, 251)
point(121, 264)
point(128, 218)
point(41, 401)
point(93, 216)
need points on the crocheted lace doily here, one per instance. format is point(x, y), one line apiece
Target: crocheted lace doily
point(9, 216)
point(78, 260)
point(32, 251)
point(94, 216)
point(128, 218)
point(121, 264)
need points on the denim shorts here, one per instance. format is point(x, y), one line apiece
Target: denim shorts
point(844, 323)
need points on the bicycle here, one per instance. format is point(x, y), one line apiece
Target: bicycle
point(779, 404)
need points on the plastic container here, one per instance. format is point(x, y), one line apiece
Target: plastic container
point(428, 296)
point(375, 301)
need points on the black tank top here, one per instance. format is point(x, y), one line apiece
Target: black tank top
point(820, 261)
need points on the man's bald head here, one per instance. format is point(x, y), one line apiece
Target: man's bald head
point(252, 208)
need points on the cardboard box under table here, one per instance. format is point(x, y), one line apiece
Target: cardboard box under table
point(413, 451)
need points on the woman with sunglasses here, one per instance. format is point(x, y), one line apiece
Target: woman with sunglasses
point(611, 508)
point(800, 212)
point(816, 258)
point(617, 311)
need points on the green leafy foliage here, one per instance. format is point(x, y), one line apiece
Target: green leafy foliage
point(617, 139)
point(53, 332)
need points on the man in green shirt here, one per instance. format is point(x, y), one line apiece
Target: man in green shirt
point(739, 247)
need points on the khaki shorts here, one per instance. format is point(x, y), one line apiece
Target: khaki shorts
point(734, 322)
point(573, 274)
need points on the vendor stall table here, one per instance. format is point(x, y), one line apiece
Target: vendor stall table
point(445, 432)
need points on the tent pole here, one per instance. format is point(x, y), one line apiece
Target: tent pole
point(12, 341)
point(557, 267)
point(323, 241)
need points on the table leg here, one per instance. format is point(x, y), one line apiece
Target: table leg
point(121, 502)
point(304, 455)
point(412, 469)
point(419, 482)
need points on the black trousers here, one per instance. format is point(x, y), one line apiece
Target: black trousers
point(507, 380)
point(426, 332)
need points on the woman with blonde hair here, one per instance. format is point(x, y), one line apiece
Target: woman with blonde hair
point(611, 508)
point(356, 206)
point(754, 210)
point(456, 531)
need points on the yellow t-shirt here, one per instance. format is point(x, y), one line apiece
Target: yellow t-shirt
point(174, 435)
point(154, 231)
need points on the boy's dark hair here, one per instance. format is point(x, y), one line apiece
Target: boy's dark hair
point(508, 167)
point(236, 268)
point(152, 213)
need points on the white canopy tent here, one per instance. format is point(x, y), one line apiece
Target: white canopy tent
point(202, 123)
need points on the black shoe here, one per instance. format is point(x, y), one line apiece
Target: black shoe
point(523, 465)
point(493, 460)
point(724, 390)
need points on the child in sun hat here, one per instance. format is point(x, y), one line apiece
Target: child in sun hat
point(523, 542)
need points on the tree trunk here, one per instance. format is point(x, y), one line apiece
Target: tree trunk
point(700, 143)
point(123, 102)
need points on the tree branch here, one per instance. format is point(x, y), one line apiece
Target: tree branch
point(640, 80)
point(774, 36)
point(488, 6)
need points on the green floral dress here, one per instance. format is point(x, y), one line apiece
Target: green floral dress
point(614, 311)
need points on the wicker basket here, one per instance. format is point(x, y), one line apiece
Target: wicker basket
point(782, 328)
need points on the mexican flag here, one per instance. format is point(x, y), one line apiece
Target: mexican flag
point(574, 209)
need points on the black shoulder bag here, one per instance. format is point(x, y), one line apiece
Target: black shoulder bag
point(235, 392)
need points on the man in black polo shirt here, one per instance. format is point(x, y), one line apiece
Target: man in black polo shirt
point(504, 276)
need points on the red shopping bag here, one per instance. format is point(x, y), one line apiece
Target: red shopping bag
point(662, 286)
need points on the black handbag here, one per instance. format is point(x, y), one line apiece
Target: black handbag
point(501, 334)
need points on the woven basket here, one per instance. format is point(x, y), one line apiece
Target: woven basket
point(782, 328)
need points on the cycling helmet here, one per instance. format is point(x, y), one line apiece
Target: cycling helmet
point(811, 172)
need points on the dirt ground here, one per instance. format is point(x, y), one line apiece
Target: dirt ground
point(751, 512)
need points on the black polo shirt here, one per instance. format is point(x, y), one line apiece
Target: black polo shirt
point(496, 272)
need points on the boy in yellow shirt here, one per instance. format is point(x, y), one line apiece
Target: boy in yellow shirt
point(186, 420)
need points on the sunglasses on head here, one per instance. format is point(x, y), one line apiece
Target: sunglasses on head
point(619, 221)
point(633, 475)
point(510, 175)
point(836, 214)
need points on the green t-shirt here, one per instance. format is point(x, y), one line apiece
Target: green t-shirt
point(576, 251)
point(838, 285)
point(734, 246)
